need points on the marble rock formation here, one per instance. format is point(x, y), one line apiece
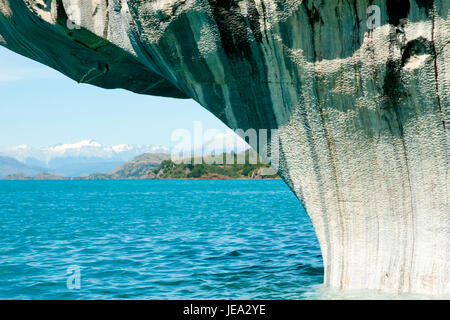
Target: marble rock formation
point(358, 90)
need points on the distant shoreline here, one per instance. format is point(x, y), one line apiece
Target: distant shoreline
point(159, 166)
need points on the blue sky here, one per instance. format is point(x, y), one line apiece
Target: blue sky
point(41, 107)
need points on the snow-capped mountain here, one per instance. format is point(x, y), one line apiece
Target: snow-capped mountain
point(79, 158)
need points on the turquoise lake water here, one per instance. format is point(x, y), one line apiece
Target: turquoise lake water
point(155, 239)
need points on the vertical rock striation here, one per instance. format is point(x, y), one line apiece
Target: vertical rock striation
point(362, 113)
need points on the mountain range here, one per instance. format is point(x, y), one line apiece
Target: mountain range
point(138, 168)
point(10, 166)
point(70, 160)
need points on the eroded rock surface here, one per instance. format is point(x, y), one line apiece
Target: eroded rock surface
point(362, 113)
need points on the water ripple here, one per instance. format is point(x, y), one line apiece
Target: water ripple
point(156, 240)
